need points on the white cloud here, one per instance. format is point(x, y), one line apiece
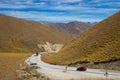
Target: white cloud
point(12, 6)
point(67, 0)
point(66, 12)
point(96, 1)
point(40, 16)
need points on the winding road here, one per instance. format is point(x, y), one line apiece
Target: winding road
point(57, 72)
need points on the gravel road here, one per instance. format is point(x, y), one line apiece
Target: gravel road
point(57, 72)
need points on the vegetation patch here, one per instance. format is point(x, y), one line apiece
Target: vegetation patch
point(9, 63)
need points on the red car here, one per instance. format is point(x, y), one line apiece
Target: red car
point(81, 69)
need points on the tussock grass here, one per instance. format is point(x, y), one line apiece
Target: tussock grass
point(99, 43)
point(9, 63)
point(18, 35)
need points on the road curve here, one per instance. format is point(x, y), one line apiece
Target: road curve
point(56, 72)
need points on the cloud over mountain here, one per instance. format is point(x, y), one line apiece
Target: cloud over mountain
point(54, 10)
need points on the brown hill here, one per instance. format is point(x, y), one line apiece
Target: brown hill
point(100, 43)
point(18, 35)
point(71, 29)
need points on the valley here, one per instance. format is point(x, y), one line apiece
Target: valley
point(73, 44)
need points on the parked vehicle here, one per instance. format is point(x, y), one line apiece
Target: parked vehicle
point(33, 65)
point(81, 69)
point(36, 54)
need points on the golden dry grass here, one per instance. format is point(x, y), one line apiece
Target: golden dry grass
point(18, 35)
point(9, 63)
point(97, 44)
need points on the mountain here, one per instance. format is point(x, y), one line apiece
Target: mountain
point(100, 43)
point(18, 35)
point(71, 29)
point(92, 23)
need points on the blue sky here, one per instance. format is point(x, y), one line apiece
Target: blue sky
point(60, 10)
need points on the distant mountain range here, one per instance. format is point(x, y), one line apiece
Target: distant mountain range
point(99, 43)
point(71, 29)
point(92, 23)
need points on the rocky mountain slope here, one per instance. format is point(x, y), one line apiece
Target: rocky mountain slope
point(49, 47)
point(71, 29)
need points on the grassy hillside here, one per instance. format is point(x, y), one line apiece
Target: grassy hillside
point(99, 43)
point(17, 35)
point(9, 63)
